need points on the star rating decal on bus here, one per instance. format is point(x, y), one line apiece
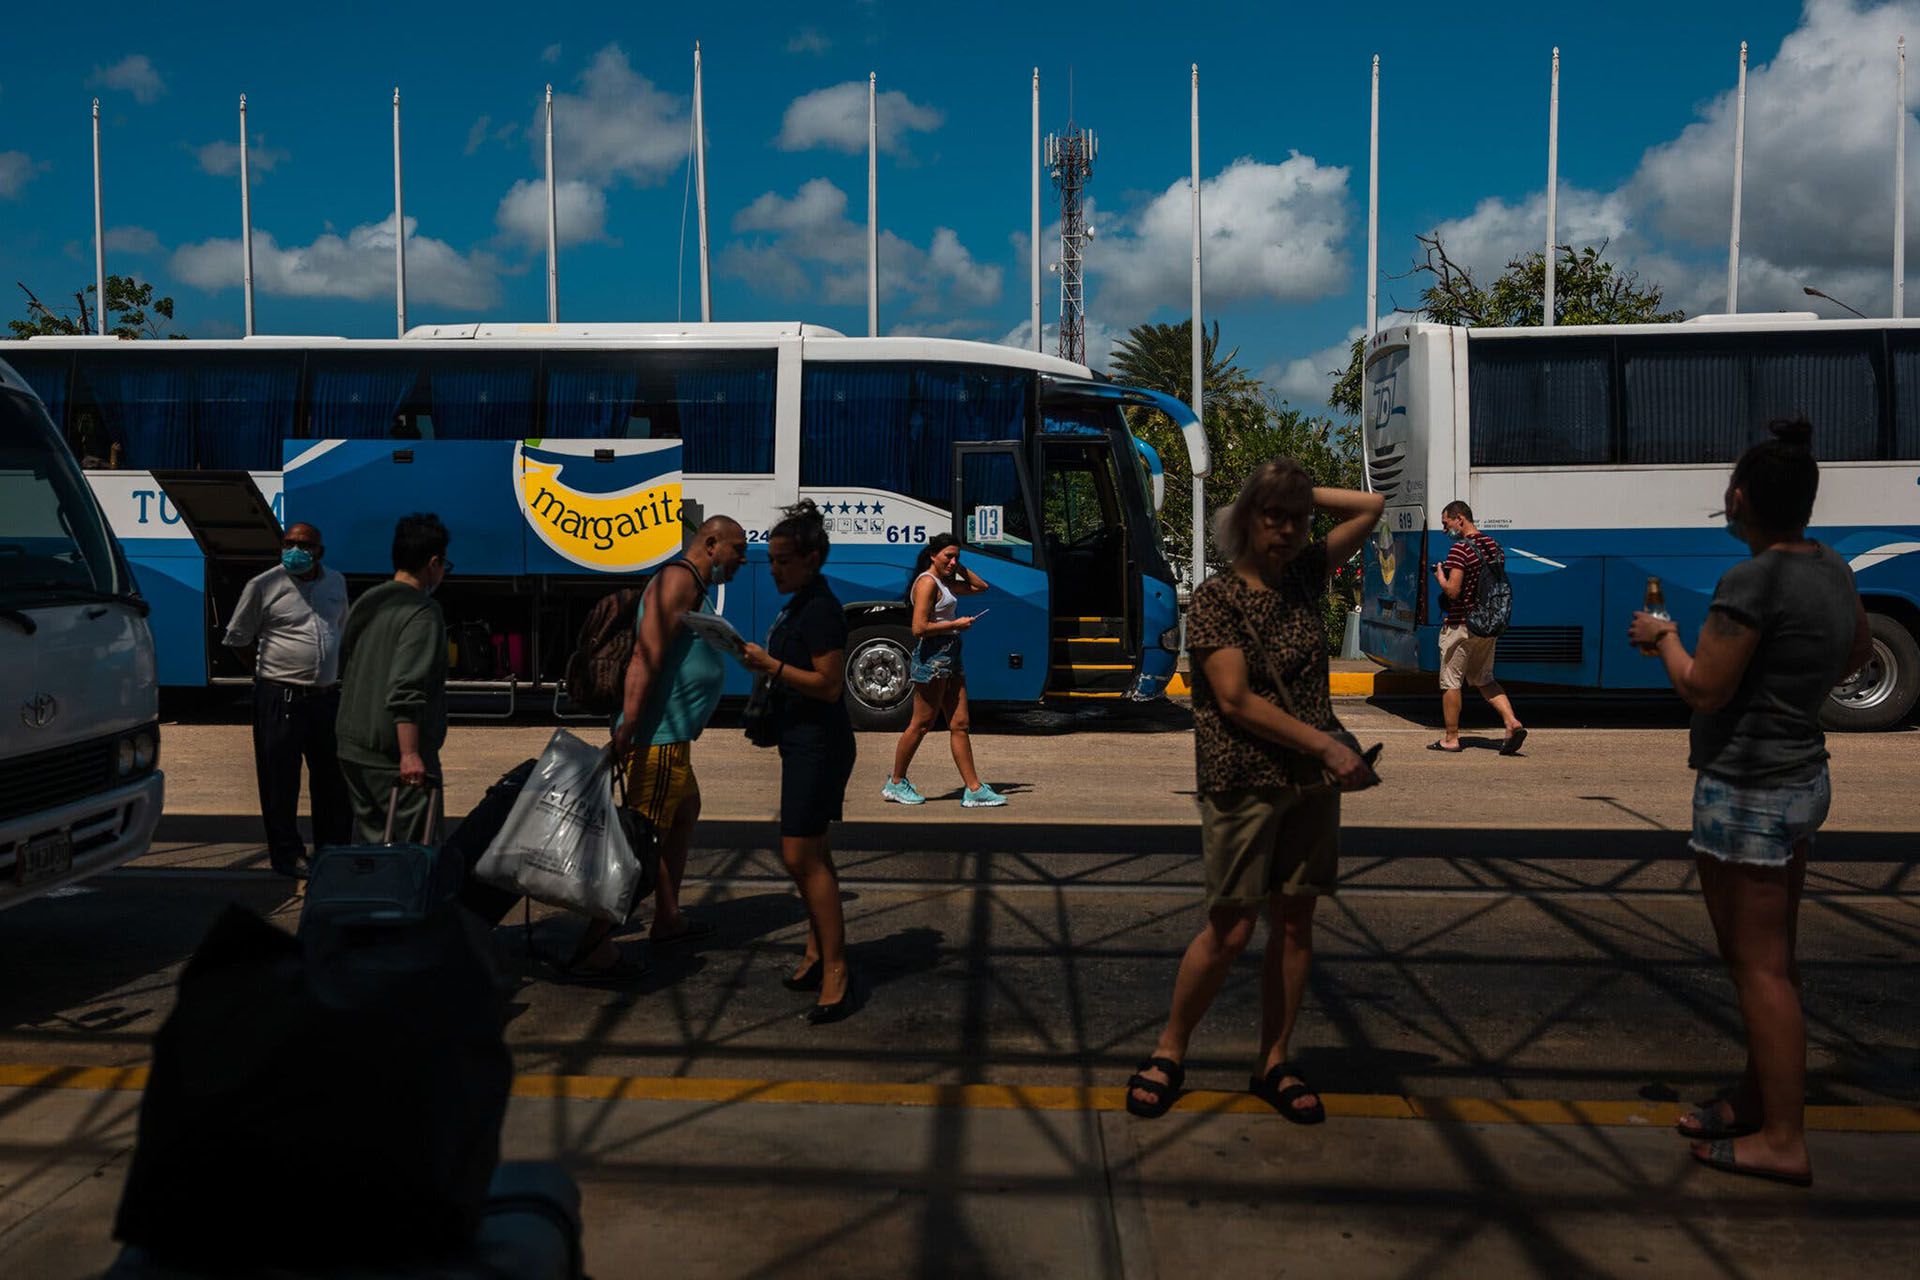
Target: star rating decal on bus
point(861, 508)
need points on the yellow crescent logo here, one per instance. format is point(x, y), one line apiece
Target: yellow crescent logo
point(1383, 546)
point(628, 529)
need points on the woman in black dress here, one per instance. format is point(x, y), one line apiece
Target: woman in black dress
point(806, 662)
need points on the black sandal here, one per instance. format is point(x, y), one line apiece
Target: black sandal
point(1268, 1090)
point(1706, 1124)
point(1164, 1092)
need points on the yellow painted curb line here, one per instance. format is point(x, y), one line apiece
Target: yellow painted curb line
point(1002, 1097)
point(1342, 684)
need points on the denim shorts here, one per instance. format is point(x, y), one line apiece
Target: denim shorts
point(937, 661)
point(1757, 826)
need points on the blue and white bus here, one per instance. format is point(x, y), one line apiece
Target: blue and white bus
point(563, 456)
point(1598, 456)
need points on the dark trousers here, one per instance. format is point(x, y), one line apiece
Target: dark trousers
point(292, 723)
point(372, 788)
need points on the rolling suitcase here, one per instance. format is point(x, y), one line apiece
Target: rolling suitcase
point(383, 884)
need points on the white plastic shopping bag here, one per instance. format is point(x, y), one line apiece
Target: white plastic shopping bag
point(563, 843)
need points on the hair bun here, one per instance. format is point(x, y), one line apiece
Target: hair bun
point(1796, 432)
point(805, 509)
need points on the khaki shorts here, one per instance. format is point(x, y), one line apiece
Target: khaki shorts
point(1465, 658)
point(1259, 841)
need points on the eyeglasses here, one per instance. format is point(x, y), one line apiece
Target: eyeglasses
point(309, 544)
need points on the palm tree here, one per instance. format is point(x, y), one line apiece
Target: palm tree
point(1159, 357)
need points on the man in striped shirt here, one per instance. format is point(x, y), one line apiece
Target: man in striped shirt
point(1464, 657)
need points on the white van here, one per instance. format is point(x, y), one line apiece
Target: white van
point(80, 783)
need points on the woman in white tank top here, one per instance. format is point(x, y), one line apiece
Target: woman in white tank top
point(939, 679)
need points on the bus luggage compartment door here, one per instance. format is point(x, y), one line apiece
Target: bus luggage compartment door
point(1006, 652)
point(1392, 583)
point(233, 524)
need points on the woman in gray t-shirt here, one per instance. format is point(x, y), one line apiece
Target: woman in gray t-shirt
point(1784, 628)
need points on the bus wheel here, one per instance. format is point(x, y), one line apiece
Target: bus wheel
point(879, 689)
point(1880, 694)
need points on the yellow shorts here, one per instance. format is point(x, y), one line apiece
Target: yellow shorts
point(659, 780)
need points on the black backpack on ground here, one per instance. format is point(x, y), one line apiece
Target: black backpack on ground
point(1492, 594)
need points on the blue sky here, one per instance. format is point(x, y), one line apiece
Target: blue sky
point(1644, 154)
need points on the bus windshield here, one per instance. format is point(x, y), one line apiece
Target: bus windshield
point(54, 545)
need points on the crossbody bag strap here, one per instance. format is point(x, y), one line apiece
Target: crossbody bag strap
point(1273, 671)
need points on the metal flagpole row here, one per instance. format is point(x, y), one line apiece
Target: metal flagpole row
point(1199, 353)
point(246, 221)
point(553, 218)
point(700, 186)
point(1553, 186)
point(1900, 181)
point(99, 234)
point(1033, 243)
point(399, 230)
point(873, 208)
point(1373, 256)
point(1739, 165)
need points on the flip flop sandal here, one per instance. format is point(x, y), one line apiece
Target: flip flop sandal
point(694, 931)
point(1452, 751)
point(1268, 1090)
point(1720, 1156)
point(1515, 740)
point(1708, 1126)
point(1164, 1092)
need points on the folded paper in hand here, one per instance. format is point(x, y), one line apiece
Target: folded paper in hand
point(718, 632)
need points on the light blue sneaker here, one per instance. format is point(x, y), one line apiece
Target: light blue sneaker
point(901, 792)
point(983, 797)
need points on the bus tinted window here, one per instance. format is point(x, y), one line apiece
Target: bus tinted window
point(243, 409)
point(893, 426)
point(719, 404)
point(365, 395)
point(479, 397)
point(1705, 402)
point(227, 410)
point(1905, 356)
point(1540, 402)
point(47, 373)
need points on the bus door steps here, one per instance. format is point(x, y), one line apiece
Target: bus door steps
point(1090, 659)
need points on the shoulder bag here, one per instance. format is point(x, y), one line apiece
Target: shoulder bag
point(1368, 755)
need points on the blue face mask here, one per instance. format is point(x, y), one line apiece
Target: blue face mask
point(723, 573)
point(297, 560)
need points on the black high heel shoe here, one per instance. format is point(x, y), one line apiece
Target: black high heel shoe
point(807, 979)
point(840, 1010)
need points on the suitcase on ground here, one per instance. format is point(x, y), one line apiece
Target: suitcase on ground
point(476, 831)
point(383, 884)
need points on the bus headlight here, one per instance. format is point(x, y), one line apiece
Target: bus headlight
point(1170, 639)
point(123, 759)
point(146, 749)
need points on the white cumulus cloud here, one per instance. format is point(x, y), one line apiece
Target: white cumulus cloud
point(358, 265)
point(134, 74)
point(222, 158)
point(805, 246)
point(1100, 340)
point(137, 240)
point(1269, 231)
point(807, 40)
point(618, 126)
point(17, 169)
point(580, 212)
point(836, 118)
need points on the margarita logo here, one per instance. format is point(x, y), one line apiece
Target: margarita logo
point(604, 505)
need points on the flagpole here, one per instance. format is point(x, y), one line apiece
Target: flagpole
point(1900, 183)
point(1199, 357)
point(1739, 165)
point(399, 228)
point(873, 208)
point(246, 221)
point(553, 225)
point(700, 184)
point(1034, 241)
point(99, 233)
point(1553, 185)
point(1373, 251)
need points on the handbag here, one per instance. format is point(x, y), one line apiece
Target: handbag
point(1368, 755)
point(760, 719)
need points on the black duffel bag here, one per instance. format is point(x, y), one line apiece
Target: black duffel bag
point(330, 1100)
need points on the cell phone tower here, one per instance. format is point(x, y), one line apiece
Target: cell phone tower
point(1070, 158)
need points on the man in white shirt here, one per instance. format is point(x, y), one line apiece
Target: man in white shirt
point(287, 626)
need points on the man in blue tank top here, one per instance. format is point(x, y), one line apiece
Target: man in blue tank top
point(673, 685)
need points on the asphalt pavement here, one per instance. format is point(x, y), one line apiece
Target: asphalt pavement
point(1513, 990)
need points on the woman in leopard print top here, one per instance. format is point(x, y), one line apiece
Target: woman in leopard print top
point(1269, 769)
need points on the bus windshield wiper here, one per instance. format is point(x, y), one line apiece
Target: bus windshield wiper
point(78, 591)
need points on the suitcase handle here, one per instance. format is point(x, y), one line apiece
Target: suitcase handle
point(429, 827)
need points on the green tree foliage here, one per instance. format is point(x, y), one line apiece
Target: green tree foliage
point(1246, 425)
point(132, 312)
point(1587, 289)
